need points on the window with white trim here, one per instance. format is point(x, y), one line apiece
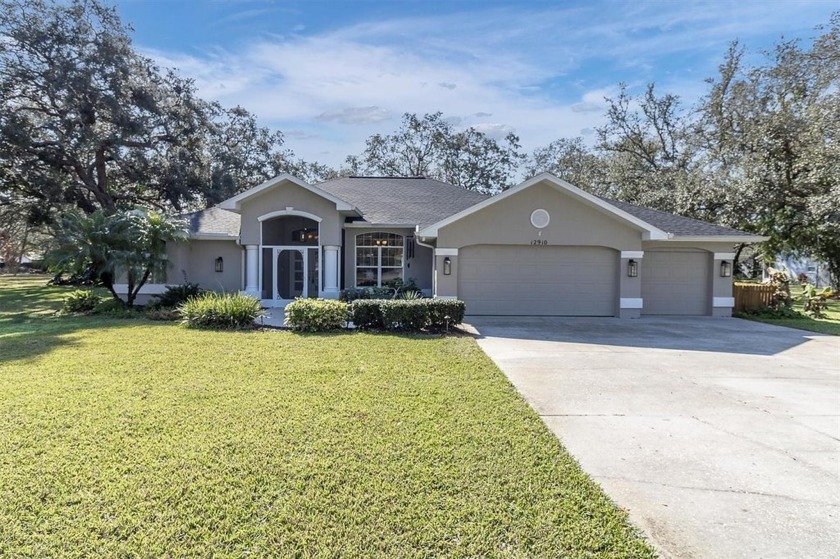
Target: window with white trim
point(379, 258)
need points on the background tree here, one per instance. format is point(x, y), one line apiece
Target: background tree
point(571, 160)
point(431, 147)
point(769, 137)
point(84, 119)
point(759, 152)
point(87, 122)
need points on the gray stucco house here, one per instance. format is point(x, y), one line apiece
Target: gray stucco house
point(544, 247)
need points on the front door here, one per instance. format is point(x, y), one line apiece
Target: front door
point(295, 273)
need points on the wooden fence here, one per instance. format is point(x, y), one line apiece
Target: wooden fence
point(751, 296)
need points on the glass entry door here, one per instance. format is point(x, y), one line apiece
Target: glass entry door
point(295, 272)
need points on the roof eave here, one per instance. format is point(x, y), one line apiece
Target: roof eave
point(369, 225)
point(213, 237)
point(748, 239)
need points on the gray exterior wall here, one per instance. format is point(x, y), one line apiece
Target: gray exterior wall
point(290, 195)
point(572, 223)
point(198, 259)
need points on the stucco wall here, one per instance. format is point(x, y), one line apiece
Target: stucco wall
point(508, 222)
point(290, 195)
point(572, 223)
point(198, 259)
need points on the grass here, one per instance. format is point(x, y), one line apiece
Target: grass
point(829, 325)
point(144, 439)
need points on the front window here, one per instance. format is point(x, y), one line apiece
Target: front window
point(379, 258)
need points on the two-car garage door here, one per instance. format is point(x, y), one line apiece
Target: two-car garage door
point(538, 280)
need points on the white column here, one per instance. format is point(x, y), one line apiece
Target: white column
point(331, 253)
point(252, 269)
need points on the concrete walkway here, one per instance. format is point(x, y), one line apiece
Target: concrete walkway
point(721, 437)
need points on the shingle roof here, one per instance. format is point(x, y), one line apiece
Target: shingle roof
point(402, 200)
point(421, 201)
point(213, 221)
point(675, 224)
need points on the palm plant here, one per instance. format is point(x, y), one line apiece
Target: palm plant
point(130, 244)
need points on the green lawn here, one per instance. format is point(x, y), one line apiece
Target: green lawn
point(132, 438)
point(828, 325)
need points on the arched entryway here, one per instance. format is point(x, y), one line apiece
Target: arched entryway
point(290, 257)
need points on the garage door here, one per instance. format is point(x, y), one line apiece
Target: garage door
point(676, 283)
point(547, 281)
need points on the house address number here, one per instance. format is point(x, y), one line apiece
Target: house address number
point(539, 243)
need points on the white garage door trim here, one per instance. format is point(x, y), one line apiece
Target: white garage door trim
point(538, 280)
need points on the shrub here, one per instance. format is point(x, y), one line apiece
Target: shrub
point(400, 314)
point(81, 301)
point(366, 313)
point(163, 314)
point(412, 315)
point(816, 301)
point(767, 312)
point(443, 313)
point(175, 296)
point(317, 315)
point(354, 294)
point(226, 311)
point(115, 309)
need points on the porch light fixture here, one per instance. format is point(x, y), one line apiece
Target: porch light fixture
point(632, 269)
point(220, 264)
point(725, 269)
point(447, 266)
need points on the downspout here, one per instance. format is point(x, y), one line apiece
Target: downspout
point(434, 259)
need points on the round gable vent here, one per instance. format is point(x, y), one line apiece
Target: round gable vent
point(540, 218)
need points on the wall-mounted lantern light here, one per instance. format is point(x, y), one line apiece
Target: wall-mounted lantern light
point(220, 264)
point(725, 269)
point(447, 266)
point(632, 269)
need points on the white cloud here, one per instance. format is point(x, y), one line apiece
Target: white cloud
point(544, 73)
point(355, 115)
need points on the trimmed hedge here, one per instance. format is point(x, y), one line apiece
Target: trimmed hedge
point(411, 315)
point(317, 315)
point(366, 313)
point(223, 311)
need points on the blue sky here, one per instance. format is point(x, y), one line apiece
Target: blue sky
point(329, 74)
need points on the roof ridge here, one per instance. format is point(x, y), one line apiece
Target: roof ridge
point(383, 177)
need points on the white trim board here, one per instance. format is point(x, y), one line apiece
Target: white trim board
point(630, 303)
point(147, 289)
point(723, 302)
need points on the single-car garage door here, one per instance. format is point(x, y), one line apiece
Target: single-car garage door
point(530, 280)
point(676, 283)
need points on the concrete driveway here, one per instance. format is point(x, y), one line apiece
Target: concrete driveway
point(721, 437)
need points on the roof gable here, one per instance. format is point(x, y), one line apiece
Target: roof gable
point(649, 232)
point(235, 203)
